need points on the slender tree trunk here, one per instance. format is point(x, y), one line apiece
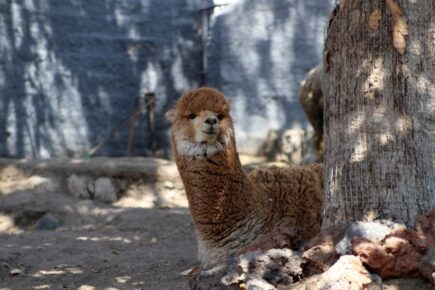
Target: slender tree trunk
point(380, 111)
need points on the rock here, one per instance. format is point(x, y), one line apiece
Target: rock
point(255, 282)
point(348, 273)
point(396, 255)
point(427, 265)
point(368, 230)
point(79, 186)
point(253, 270)
point(276, 267)
point(42, 183)
point(295, 146)
point(210, 279)
point(104, 190)
point(320, 253)
point(407, 284)
point(420, 242)
point(282, 237)
point(425, 224)
point(47, 222)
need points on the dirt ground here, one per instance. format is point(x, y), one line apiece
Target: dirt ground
point(52, 239)
point(95, 245)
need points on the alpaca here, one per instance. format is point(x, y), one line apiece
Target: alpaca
point(231, 209)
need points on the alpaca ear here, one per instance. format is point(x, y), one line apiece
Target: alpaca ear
point(170, 115)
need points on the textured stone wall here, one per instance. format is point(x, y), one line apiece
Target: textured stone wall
point(260, 51)
point(71, 70)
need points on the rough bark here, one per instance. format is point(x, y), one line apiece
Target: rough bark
point(380, 111)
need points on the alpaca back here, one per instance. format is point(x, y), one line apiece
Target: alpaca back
point(294, 196)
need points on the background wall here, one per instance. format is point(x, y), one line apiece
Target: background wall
point(71, 70)
point(260, 52)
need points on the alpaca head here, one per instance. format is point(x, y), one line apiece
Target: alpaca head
point(201, 124)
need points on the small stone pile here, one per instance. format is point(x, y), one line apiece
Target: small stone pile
point(363, 255)
point(102, 188)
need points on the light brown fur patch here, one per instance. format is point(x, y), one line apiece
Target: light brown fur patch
point(229, 208)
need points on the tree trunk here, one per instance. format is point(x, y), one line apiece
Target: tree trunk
point(380, 111)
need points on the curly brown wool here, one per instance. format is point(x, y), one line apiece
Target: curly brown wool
point(230, 208)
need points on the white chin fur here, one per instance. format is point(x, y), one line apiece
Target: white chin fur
point(202, 150)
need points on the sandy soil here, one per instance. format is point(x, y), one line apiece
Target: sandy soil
point(95, 245)
point(142, 241)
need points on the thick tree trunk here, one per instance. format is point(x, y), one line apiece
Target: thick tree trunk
point(380, 111)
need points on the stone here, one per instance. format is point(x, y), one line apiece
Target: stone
point(320, 253)
point(407, 284)
point(396, 255)
point(255, 282)
point(425, 224)
point(47, 222)
point(368, 230)
point(277, 267)
point(292, 145)
point(253, 270)
point(420, 241)
point(105, 190)
point(279, 238)
point(79, 186)
point(347, 273)
point(43, 183)
point(427, 265)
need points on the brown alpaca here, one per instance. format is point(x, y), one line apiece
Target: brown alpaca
point(229, 208)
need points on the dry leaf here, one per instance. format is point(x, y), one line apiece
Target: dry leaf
point(374, 19)
point(400, 27)
point(191, 272)
point(115, 252)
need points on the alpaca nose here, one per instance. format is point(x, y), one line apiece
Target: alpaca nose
point(211, 120)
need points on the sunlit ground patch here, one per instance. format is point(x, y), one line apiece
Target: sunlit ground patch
point(7, 225)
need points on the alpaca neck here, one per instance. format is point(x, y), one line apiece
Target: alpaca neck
point(217, 188)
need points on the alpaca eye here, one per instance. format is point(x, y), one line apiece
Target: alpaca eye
point(220, 116)
point(192, 116)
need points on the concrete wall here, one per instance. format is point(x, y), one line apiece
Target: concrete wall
point(260, 52)
point(71, 70)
